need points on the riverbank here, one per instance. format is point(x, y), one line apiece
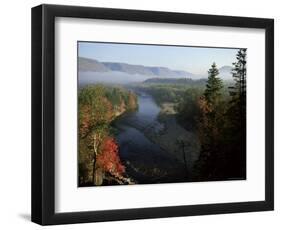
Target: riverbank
point(145, 160)
point(173, 138)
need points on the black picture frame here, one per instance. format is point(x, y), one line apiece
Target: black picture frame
point(43, 114)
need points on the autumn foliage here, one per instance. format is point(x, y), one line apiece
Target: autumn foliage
point(98, 151)
point(85, 120)
point(109, 159)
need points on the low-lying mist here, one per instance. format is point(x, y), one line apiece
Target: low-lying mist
point(110, 77)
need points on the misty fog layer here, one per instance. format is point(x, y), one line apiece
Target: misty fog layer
point(117, 77)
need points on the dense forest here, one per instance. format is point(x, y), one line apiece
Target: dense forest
point(221, 126)
point(99, 161)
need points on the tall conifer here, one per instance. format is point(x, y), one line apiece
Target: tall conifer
point(213, 87)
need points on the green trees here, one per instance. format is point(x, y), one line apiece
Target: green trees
point(236, 118)
point(210, 125)
point(188, 109)
point(237, 105)
point(213, 87)
point(222, 126)
point(239, 75)
point(238, 91)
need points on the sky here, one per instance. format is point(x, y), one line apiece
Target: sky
point(196, 60)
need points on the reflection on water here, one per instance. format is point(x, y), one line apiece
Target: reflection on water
point(145, 161)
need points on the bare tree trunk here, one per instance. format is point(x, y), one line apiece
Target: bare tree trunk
point(94, 170)
point(184, 158)
point(95, 157)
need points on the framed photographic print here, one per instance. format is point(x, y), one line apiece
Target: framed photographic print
point(142, 114)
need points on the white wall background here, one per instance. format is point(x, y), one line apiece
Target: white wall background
point(15, 114)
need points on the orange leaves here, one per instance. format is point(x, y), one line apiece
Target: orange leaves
point(210, 122)
point(85, 120)
point(109, 159)
point(206, 127)
point(204, 105)
point(98, 152)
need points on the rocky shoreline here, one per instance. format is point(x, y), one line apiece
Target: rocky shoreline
point(173, 138)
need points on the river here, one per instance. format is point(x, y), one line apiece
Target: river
point(145, 161)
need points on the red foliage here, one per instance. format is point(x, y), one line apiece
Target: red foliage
point(109, 159)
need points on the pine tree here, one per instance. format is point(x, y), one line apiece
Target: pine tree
point(237, 107)
point(236, 113)
point(209, 126)
point(238, 91)
point(213, 87)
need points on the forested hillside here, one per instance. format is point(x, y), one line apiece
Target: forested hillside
point(99, 160)
point(221, 126)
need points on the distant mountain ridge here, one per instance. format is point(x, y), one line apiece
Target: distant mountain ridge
point(92, 65)
point(86, 64)
point(225, 69)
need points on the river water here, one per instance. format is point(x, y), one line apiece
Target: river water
point(145, 161)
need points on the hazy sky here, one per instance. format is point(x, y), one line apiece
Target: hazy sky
point(193, 59)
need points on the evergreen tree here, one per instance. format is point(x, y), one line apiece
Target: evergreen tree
point(213, 87)
point(236, 130)
point(238, 91)
point(210, 124)
point(222, 126)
